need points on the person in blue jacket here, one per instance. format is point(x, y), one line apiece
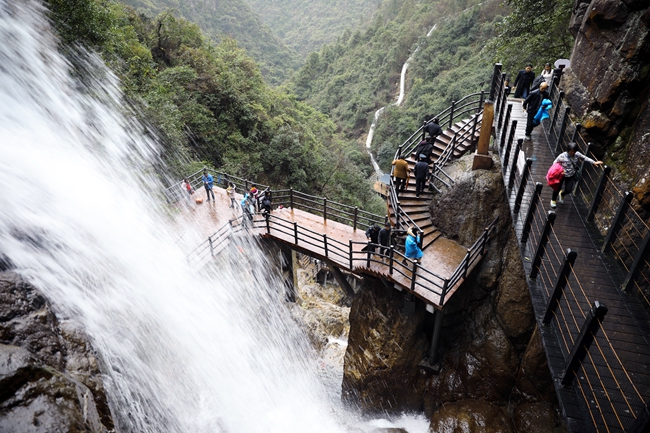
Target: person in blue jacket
point(208, 183)
point(413, 251)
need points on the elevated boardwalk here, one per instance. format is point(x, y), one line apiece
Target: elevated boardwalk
point(596, 336)
point(442, 270)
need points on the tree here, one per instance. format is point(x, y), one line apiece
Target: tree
point(535, 31)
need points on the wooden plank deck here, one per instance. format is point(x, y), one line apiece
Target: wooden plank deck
point(613, 383)
point(442, 257)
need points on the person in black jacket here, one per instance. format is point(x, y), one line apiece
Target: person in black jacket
point(384, 239)
point(524, 80)
point(425, 148)
point(531, 106)
point(432, 128)
point(372, 234)
point(421, 174)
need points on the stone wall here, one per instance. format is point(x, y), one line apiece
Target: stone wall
point(493, 369)
point(608, 84)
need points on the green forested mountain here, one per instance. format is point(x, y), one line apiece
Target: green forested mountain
point(211, 107)
point(359, 73)
point(235, 19)
point(305, 26)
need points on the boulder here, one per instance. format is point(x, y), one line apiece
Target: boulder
point(471, 417)
point(50, 379)
point(381, 372)
point(537, 417)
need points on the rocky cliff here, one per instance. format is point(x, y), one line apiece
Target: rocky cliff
point(493, 369)
point(608, 84)
point(49, 376)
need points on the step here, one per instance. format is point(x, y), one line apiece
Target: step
point(414, 208)
point(430, 238)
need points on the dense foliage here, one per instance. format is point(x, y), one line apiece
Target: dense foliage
point(211, 105)
point(305, 26)
point(534, 32)
point(359, 73)
point(235, 19)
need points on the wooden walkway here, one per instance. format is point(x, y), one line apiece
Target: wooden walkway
point(611, 388)
point(336, 243)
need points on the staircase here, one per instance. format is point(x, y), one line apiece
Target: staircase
point(452, 143)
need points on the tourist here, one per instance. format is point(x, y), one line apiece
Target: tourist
point(421, 171)
point(506, 88)
point(208, 183)
point(231, 193)
point(424, 150)
point(372, 234)
point(187, 189)
point(547, 73)
point(431, 127)
point(524, 80)
point(254, 193)
point(569, 162)
point(411, 246)
point(384, 239)
point(532, 104)
point(542, 113)
point(248, 210)
point(401, 174)
point(266, 205)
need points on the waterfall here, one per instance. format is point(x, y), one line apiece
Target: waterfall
point(81, 217)
point(400, 100)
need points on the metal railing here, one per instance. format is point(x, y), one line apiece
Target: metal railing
point(470, 105)
point(351, 255)
point(584, 336)
point(329, 210)
point(625, 231)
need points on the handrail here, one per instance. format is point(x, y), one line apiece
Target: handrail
point(332, 210)
point(344, 254)
point(409, 145)
point(568, 299)
point(600, 200)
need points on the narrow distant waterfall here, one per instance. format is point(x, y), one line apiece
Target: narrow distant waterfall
point(185, 351)
point(400, 99)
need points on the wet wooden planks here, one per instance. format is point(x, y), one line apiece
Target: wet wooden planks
point(595, 402)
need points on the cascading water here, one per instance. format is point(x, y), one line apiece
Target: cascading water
point(183, 350)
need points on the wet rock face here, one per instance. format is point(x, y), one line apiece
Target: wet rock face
point(472, 417)
point(490, 359)
point(49, 377)
point(381, 372)
point(608, 83)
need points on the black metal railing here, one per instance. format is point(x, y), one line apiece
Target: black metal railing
point(352, 255)
point(469, 106)
point(600, 200)
point(579, 322)
point(329, 210)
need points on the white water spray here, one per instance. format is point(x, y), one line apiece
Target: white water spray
point(214, 350)
point(183, 351)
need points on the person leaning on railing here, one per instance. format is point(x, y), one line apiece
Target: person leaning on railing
point(569, 162)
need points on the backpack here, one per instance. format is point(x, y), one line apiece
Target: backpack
point(537, 81)
point(554, 175)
